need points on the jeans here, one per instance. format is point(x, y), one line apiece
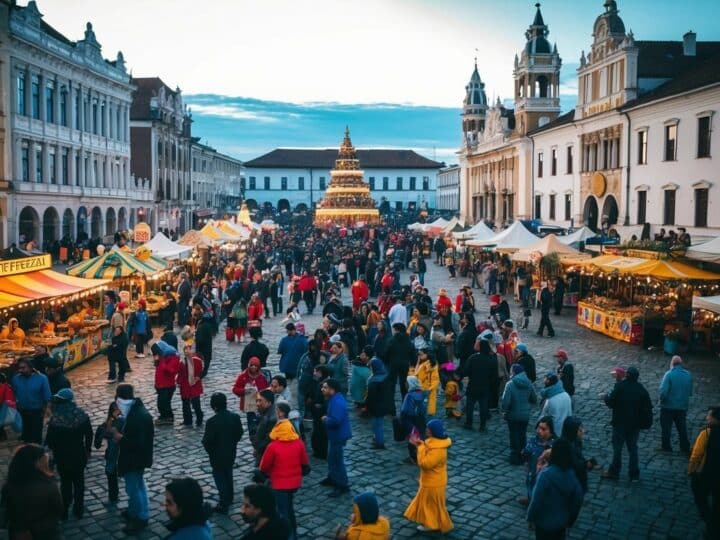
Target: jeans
point(377, 429)
point(164, 400)
point(667, 418)
point(225, 486)
point(622, 435)
point(136, 490)
point(483, 402)
point(336, 464)
point(518, 439)
point(72, 488)
point(187, 413)
point(113, 488)
point(32, 425)
point(285, 508)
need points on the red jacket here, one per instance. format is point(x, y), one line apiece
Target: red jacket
point(166, 371)
point(255, 310)
point(243, 380)
point(443, 301)
point(6, 395)
point(360, 292)
point(284, 457)
point(458, 303)
point(387, 282)
point(187, 391)
point(307, 283)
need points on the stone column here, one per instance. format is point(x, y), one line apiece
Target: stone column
point(46, 163)
point(17, 157)
point(82, 168)
point(108, 172)
point(81, 108)
point(56, 107)
point(58, 166)
point(91, 170)
point(107, 118)
point(41, 104)
point(71, 166)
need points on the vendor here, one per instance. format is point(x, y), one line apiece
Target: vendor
point(14, 333)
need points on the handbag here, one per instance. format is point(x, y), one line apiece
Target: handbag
point(399, 433)
point(10, 417)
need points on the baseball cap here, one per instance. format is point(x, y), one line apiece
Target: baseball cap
point(561, 353)
point(487, 335)
point(521, 347)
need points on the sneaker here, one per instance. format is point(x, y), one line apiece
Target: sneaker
point(111, 381)
point(140, 356)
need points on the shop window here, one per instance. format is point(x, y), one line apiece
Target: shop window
point(701, 207)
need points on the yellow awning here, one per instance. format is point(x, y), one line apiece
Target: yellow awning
point(668, 270)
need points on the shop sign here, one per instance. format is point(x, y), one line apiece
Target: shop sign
point(142, 232)
point(26, 264)
point(599, 184)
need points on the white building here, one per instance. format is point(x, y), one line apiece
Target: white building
point(216, 180)
point(448, 189)
point(67, 144)
point(291, 179)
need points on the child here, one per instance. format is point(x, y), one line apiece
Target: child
point(452, 388)
point(114, 421)
point(191, 387)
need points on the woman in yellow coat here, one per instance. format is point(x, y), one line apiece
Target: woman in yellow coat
point(427, 373)
point(428, 508)
point(366, 523)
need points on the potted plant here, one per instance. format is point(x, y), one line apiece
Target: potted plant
point(672, 337)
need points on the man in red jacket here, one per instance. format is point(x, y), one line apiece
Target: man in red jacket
point(307, 286)
point(167, 364)
point(285, 462)
point(191, 386)
point(360, 293)
point(387, 281)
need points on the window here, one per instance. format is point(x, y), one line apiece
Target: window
point(606, 154)
point(426, 183)
point(21, 94)
point(642, 147)
point(538, 206)
point(371, 182)
point(703, 149)
point(568, 207)
point(701, 207)
point(94, 117)
point(252, 183)
point(35, 97)
point(266, 181)
point(552, 206)
point(50, 102)
point(398, 206)
point(540, 164)
point(553, 162)
point(64, 168)
point(53, 178)
point(569, 160)
point(77, 170)
point(63, 108)
point(386, 183)
point(194, 168)
point(322, 183)
point(283, 183)
point(301, 183)
point(102, 119)
point(669, 209)
point(78, 104)
point(38, 166)
point(412, 183)
point(25, 165)
point(399, 183)
point(670, 144)
point(641, 207)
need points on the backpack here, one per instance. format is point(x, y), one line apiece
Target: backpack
point(645, 414)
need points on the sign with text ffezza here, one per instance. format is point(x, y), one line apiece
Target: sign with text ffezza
point(26, 264)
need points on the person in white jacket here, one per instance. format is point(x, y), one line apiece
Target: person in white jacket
point(556, 401)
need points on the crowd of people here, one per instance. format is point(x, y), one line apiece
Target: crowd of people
point(387, 347)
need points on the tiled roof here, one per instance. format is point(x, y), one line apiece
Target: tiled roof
point(292, 158)
point(561, 120)
point(665, 59)
point(147, 88)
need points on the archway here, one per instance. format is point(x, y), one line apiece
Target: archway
point(82, 224)
point(96, 223)
point(132, 218)
point(590, 213)
point(610, 211)
point(28, 225)
point(302, 207)
point(283, 205)
point(122, 219)
point(110, 222)
point(68, 224)
point(541, 86)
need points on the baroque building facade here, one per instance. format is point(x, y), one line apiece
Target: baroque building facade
point(216, 182)
point(448, 189)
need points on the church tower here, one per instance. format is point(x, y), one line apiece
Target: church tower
point(537, 79)
point(474, 108)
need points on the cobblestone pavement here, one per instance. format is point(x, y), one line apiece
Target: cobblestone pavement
point(483, 486)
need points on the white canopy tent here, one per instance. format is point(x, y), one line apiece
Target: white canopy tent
point(580, 235)
point(710, 303)
point(547, 245)
point(479, 231)
point(707, 251)
point(163, 247)
point(515, 237)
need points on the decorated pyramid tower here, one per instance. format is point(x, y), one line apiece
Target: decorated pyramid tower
point(347, 199)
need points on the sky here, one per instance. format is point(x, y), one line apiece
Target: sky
point(266, 73)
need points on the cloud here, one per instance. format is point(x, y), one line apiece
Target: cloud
point(233, 112)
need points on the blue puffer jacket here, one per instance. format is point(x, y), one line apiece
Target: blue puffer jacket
point(556, 499)
point(517, 397)
point(676, 389)
point(337, 420)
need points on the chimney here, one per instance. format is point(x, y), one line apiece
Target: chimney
point(689, 43)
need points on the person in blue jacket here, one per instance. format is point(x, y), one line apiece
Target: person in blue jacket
point(32, 394)
point(187, 511)
point(675, 392)
point(557, 496)
point(337, 424)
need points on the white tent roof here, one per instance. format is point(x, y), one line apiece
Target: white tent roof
point(439, 223)
point(711, 303)
point(515, 237)
point(417, 226)
point(707, 251)
point(451, 225)
point(479, 231)
point(162, 246)
point(580, 235)
point(549, 244)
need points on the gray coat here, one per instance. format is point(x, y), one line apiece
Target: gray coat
point(519, 394)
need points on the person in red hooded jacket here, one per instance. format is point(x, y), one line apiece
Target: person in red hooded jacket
point(443, 300)
point(360, 293)
point(167, 364)
point(191, 386)
point(255, 309)
point(307, 287)
point(247, 385)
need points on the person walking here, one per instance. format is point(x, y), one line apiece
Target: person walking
point(191, 386)
point(103, 431)
point(135, 443)
point(291, 348)
point(70, 437)
point(523, 357)
point(378, 401)
point(481, 371)
point(117, 356)
point(429, 507)
point(631, 412)
point(704, 471)
point(138, 327)
point(167, 364)
point(546, 304)
point(428, 374)
point(399, 354)
point(250, 381)
point(223, 431)
point(675, 392)
point(519, 394)
point(32, 395)
point(184, 293)
point(187, 512)
point(337, 424)
point(285, 462)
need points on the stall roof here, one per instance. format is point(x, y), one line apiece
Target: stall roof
point(515, 237)
point(193, 238)
point(214, 232)
point(580, 235)
point(21, 288)
point(479, 231)
point(117, 264)
point(162, 246)
point(549, 244)
point(710, 303)
point(707, 251)
point(646, 268)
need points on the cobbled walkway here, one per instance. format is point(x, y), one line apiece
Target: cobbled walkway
point(482, 485)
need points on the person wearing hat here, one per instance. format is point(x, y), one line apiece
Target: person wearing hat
point(378, 402)
point(32, 394)
point(517, 398)
point(250, 381)
point(523, 357)
point(70, 437)
point(565, 371)
point(117, 355)
point(557, 403)
point(429, 507)
point(167, 365)
point(366, 523)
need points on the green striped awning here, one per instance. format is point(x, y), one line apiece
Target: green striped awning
point(116, 264)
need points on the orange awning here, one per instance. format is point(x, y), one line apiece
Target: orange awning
point(41, 284)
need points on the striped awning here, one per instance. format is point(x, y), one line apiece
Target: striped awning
point(42, 284)
point(117, 264)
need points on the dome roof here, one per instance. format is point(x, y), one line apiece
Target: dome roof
point(615, 24)
point(538, 45)
point(475, 90)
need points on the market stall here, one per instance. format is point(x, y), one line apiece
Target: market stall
point(707, 251)
point(706, 322)
point(161, 246)
point(512, 239)
point(479, 231)
point(581, 235)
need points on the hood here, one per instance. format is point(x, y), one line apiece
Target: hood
point(553, 390)
point(521, 380)
point(434, 443)
point(165, 348)
point(66, 414)
point(283, 431)
point(377, 367)
point(570, 428)
point(367, 506)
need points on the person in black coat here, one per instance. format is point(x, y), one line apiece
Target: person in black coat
point(379, 400)
point(135, 454)
point(117, 355)
point(222, 434)
point(558, 295)
point(465, 340)
point(546, 304)
point(254, 348)
point(266, 411)
point(399, 355)
point(203, 340)
point(481, 371)
point(565, 372)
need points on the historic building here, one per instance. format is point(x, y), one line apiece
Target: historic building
point(496, 156)
point(66, 148)
point(293, 179)
point(448, 189)
point(160, 137)
point(216, 181)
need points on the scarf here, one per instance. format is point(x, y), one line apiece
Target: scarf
point(124, 405)
point(190, 369)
